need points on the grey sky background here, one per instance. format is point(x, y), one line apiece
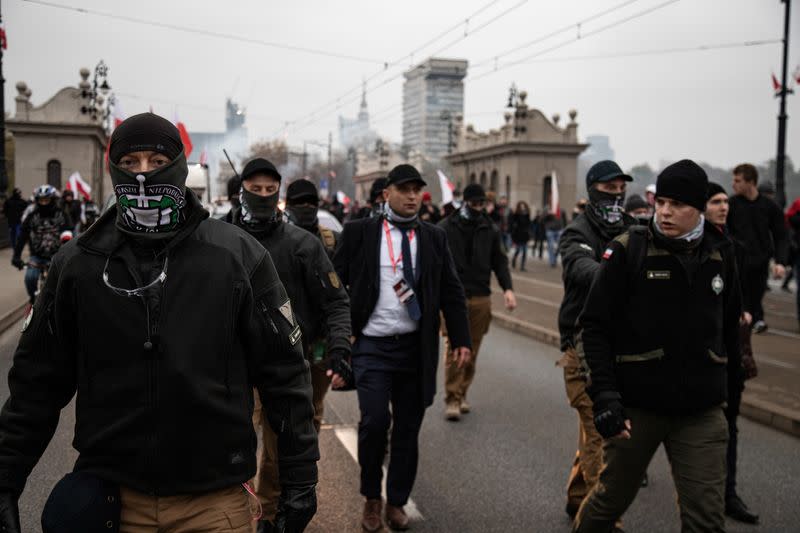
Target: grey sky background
point(715, 106)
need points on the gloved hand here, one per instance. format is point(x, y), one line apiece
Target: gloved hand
point(609, 415)
point(296, 508)
point(17, 262)
point(9, 513)
point(337, 364)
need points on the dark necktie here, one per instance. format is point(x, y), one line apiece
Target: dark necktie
point(408, 273)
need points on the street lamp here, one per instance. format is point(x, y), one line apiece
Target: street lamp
point(98, 102)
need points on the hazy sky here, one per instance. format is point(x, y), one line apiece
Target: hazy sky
point(712, 105)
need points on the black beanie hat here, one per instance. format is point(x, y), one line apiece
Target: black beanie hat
point(144, 132)
point(300, 190)
point(474, 191)
point(634, 202)
point(377, 189)
point(259, 165)
point(714, 189)
point(685, 182)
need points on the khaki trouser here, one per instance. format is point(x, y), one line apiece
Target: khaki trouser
point(458, 380)
point(227, 510)
point(588, 460)
point(266, 484)
point(695, 446)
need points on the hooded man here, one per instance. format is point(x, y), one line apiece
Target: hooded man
point(581, 246)
point(660, 336)
point(160, 320)
point(318, 298)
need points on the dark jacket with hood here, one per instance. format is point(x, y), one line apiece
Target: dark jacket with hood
point(661, 331)
point(164, 381)
point(581, 246)
point(318, 298)
point(477, 250)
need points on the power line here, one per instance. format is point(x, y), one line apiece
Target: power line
point(574, 39)
point(209, 33)
point(176, 103)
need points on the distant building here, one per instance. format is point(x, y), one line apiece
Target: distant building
point(519, 159)
point(356, 133)
point(433, 97)
point(599, 150)
point(234, 139)
point(55, 139)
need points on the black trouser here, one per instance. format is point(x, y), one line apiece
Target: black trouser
point(754, 285)
point(378, 387)
point(731, 414)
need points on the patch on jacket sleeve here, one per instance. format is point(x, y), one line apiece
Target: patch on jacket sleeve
point(334, 279)
point(608, 253)
point(659, 274)
point(586, 247)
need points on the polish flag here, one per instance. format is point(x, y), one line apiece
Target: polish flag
point(554, 204)
point(119, 114)
point(447, 188)
point(3, 38)
point(204, 157)
point(342, 198)
point(185, 139)
point(76, 184)
point(776, 85)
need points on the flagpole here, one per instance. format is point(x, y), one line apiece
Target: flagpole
point(3, 173)
point(780, 193)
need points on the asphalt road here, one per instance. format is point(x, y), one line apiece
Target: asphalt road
point(502, 468)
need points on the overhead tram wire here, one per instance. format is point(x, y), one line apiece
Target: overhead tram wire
point(200, 107)
point(573, 40)
point(209, 33)
point(338, 101)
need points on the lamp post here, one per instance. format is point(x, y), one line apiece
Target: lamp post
point(3, 173)
point(98, 103)
point(780, 184)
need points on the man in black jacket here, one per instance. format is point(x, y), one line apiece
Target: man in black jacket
point(758, 224)
point(302, 208)
point(318, 300)
point(400, 275)
point(660, 334)
point(13, 208)
point(162, 320)
point(581, 246)
point(477, 248)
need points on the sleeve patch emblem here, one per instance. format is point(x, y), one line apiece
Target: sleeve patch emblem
point(608, 253)
point(717, 284)
point(334, 279)
point(286, 311)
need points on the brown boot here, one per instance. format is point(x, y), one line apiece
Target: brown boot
point(396, 518)
point(372, 516)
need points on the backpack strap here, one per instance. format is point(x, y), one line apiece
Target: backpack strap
point(636, 249)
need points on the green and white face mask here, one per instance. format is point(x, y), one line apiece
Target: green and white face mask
point(150, 202)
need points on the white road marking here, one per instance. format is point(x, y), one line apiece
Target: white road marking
point(534, 299)
point(783, 333)
point(348, 436)
point(774, 362)
point(517, 277)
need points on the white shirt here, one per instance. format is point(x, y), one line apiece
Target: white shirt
point(390, 316)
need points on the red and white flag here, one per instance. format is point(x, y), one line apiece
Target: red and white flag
point(3, 38)
point(776, 85)
point(342, 198)
point(796, 75)
point(76, 184)
point(204, 157)
point(118, 114)
point(185, 139)
point(554, 201)
point(447, 188)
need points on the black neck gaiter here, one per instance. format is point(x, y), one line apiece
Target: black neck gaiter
point(303, 216)
point(258, 209)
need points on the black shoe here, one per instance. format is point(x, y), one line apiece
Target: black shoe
point(572, 509)
point(760, 327)
point(736, 509)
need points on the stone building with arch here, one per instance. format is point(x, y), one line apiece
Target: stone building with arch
point(519, 159)
point(55, 139)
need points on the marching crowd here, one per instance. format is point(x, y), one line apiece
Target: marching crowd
point(183, 337)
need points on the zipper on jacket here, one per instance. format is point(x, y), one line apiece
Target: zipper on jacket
point(229, 337)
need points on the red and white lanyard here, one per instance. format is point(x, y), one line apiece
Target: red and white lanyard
point(391, 247)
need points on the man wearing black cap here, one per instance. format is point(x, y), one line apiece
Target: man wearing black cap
point(318, 299)
point(581, 246)
point(476, 245)
point(374, 207)
point(401, 275)
point(302, 207)
point(660, 336)
point(161, 320)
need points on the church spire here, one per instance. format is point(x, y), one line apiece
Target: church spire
point(363, 115)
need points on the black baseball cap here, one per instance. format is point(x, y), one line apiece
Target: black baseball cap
point(403, 174)
point(604, 171)
point(259, 165)
point(474, 191)
point(301, 189)
point(377, 189)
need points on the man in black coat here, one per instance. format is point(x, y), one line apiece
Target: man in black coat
point(13, 208)
point(318, 299)
point(401, 275)
point(160, 320)
point(581, 246)
point(660, 335)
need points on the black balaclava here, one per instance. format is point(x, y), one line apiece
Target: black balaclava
point(298, 193)
point(607, 206)
point(474, 191)
point(259, 210)
point(148, 203)
point(47, 210)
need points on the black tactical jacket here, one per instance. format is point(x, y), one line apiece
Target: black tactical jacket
point(662, 338)
point(318, 298)
point(164, 391)
point(581, 247)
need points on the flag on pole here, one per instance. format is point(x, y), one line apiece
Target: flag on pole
point(3, 38)
point(204, 157)
point(76, 184)
point(342, 198)
point(554, 202)
point(447, 188)
point(119, 114)
point(776, 85)
point(185, 139)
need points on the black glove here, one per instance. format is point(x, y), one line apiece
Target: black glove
point(609, 416)
point(9, 513)
point(339, 365)
point(17, 262)
point(296, 508)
